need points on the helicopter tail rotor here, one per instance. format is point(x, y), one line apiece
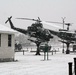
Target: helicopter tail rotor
point(8, 19)
point(68, 24)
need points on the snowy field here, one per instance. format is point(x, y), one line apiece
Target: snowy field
point(29, 64)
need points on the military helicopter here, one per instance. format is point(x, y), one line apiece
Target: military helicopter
point(35, 30)
point(66, 36)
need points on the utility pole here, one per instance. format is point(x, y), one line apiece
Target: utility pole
point(63, 18)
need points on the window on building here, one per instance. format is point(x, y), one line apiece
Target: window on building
point(9, 40)
point(0, 40)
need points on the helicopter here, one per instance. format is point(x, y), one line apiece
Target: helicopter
point(67, 37)
point(35, 30)
point(41, 34)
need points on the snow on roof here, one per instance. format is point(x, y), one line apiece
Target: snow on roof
point(4, 29)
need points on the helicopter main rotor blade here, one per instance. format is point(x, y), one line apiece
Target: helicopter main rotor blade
point(54, 22)
point(43, 22)
point(50, 24)
point(29, 19)
point(69, 24)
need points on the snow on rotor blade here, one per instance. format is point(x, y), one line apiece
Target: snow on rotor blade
point(54, 22)
point(27, 19)
point(50, 24)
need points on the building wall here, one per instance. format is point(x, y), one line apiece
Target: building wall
point(5, 51)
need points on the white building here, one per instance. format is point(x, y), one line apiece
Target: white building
point(6, 43)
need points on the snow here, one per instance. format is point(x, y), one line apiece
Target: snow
point(30, 64)
point(4, 29)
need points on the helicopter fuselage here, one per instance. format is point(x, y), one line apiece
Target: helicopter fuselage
point(37, 30)
point(65, 35)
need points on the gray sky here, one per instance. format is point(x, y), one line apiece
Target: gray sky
point(47, 10)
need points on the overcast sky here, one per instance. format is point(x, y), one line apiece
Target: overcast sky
point(47, 10)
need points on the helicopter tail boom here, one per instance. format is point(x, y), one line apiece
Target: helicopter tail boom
point(14, 28)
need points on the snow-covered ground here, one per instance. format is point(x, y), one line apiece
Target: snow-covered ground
point(29, 64)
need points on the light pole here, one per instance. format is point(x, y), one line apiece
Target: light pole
point(63, 35)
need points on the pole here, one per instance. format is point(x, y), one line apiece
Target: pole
point(44, 55)
point(52, 52)
point(55, 51)
point(75, 65)
point(47, 55)
point(23, 52)
point(70, 68)
point(63, 29)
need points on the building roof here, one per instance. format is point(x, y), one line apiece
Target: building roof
point(4, 29)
